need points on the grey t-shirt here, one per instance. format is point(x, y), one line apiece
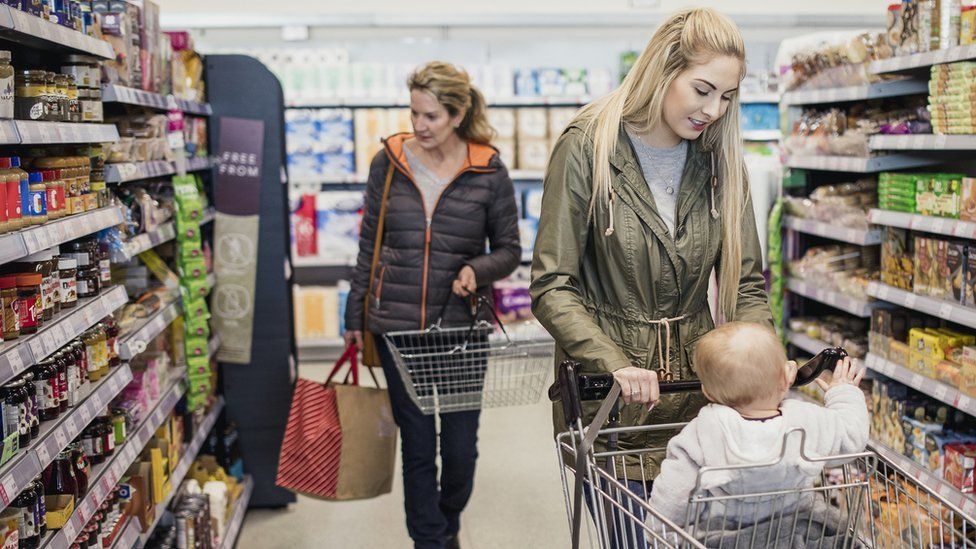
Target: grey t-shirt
point(430, 185)
point(662, 170)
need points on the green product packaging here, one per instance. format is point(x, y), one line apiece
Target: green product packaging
point(187, 232)
point(197, 288)
point(198, 364)
point(189, 203)
point(195, 308)
point(193, 269)
point(195, 346)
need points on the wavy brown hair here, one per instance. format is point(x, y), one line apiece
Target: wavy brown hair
point(452, 87)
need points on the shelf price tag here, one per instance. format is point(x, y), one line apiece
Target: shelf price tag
point(97, 401)
point(945, 311)
point(964, 403)
point(15, 361)
point(38, 348)
point(43, 455)
point(71, 425)
point(61, 438)
point(938, 225)
point(910, 300)
point(940, 391)
point(70, 531)
point(917, 380)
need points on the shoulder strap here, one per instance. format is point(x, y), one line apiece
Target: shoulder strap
point(378, 243)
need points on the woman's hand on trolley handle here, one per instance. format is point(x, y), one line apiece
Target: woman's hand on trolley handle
point(638, 386)
point(354, 337)
point(466, 283)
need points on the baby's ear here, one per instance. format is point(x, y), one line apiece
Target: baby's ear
point(789, 374)
point(707, 396)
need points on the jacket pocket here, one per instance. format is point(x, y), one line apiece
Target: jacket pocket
point(689, 350)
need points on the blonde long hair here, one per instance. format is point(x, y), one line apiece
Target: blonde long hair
point(686, 38)
point(452, 87)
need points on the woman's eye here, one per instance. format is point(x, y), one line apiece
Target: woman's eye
point(724, 98)
point(701, 92)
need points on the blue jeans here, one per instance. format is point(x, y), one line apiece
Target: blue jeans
point(622, 531)
point(433, 508)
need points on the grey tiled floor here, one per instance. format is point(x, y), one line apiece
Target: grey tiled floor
point(517, 501)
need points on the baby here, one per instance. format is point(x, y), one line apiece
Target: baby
point(746, 377)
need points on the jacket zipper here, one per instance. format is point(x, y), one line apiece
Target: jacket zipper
point(378, 294)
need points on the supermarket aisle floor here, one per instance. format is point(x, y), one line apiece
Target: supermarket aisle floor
point(517, 502)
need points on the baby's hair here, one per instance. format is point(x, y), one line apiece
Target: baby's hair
point(740, 362)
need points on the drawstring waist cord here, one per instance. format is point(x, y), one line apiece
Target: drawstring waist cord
point(664, 351)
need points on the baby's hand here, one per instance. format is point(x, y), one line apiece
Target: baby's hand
point(844, 374)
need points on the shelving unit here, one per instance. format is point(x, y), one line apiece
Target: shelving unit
point(113, 93)
point(931, 387)
point(965, 502)
point(856, 307)
point(854, 164)
point(137, 171)
point(61, 133)
point(14, 246)
point(17, 355)
point(135, 342)
point(21, 27)
point(237, 517)
point(56, 435)
point(855, 93)
point(926, 142)
point(859, 237)
point(145, 241)
point(936, 225)
point(106, 475)
point(922, 60)
point(807, 343)
point(946, 310)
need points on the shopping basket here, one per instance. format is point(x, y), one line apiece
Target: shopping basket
point(475, 366)
point(864, 502)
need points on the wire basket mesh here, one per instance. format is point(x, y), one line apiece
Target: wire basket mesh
point(472, 367)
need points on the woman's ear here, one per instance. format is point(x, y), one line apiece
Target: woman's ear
point(457, 120)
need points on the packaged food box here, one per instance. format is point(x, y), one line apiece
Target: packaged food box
point(533, 154)
point(967, 204)
point(928, 343)
point(967, 370)
point(960, 461)
point(938, 195)
point(926, 270)
point(506, 150)
point(967, 25)
point(948, 372)
point(897, 261)
point(504, 120)
point(923, 364)
point(916, 430)
point(936, 443)
point(533, 123)
point(956, 270)
point(898, 352)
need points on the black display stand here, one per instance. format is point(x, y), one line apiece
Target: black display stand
point(258, 394)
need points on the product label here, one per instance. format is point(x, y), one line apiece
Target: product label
point(47, 292)
point(26, 524)
point(37, 203)
point(14, 202)
point(27, 309)
point(105, 268)
point(69, 290)
point(62, 379)
point(7, 97)
point(37, 111)
point(11, 419)
point(46, 398)
point(23, 422)
point(55, 288)
point(52, 199)
point(82, 286)
point(11, 316)
point(74, 383)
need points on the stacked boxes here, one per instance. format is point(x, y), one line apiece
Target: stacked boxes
point(952, 91)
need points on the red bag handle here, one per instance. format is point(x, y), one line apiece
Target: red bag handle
point(350, 355)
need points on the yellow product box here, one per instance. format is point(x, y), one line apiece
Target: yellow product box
point(924, 365)
point(967, 371)
point(948, 372)
point(927, 342)
point(161, 486)
point(967, 25)
point(898, 352)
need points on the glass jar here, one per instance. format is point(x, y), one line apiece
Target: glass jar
point(74, 103)
point(53, 99)
point(14, 202)
point(104, 262)
point(107, 432)
point(82, 469)
point(9, 300)
point(112, 340)
point(47, 389)
point(33, 411)
point(37, 201)
point(61, 366)
point(59, 477)
point(26, 522)
point(12, 403)
point(40, 509)
point(120, 420)
point(54, 207)
point(83, 69)
point(87, 110)
point(91, 439)
point(101, 348)
point(29, 305)
point(24, 191)
point(62, 82)
point(23, 413)
point(98, 114)
point(30, 101)
point(73, 370)
point(6, 86)
point(68, 272)
point(42, 262)
point(90, 338)
point(87, 278)
point(56, 277)
point(78, 349)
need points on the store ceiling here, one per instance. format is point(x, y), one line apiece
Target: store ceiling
point(542, 13)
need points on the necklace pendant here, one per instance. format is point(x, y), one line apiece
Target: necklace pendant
point(670, 189)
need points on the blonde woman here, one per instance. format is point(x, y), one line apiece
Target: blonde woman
point(646, 193)
point(448, 192)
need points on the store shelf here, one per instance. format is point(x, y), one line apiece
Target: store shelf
point(762, 135)
point(17, 355)
point(316, 261)
point(931, 387)
point(199, 163)
point(56, 435)
point(145, 241)
point(136, 342)
point(129, 535)
point(113, 93)
point(753, 98)
point(946, 310)
point(527, 175)
point(105, 476)
point(924, 223)
point(189, 456)
point(927, 142)
point(136, 171)
point(965, 502)
point(19, 26)
point(237, 517)
point(807, 343)
point(320, 349)
point(833, 232)
point(923, 60)
point(213, 346)
point(22, 243)
point(61, 133)
point(190, 107)
point(208, 216)
point(856, 93)
point(856, 307)
point(397, 102)
point(854, 164)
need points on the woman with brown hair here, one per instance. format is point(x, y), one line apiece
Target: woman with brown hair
point(447, 192)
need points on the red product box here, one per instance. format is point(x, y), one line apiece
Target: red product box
point(303, 224)
point(959, 462)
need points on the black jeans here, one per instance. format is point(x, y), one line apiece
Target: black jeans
point(433, 508)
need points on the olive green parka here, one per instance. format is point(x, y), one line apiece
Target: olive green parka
point(602, 297)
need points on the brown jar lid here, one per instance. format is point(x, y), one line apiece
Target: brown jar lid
point(29, 279)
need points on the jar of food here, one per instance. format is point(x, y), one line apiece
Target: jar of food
point(37, 201)
point(101, 348)
point(6, 86)
point(30, 101)
point(40, 509)
point(10, 179)
point(47, 390)
point(108, 434)
point(95, 372)
point(61, 366)
point(30, 536)
point(81, 359)
point(19, 386)
point(53, 99)
point(73, 369)
point(120, 425)
point(42, 262)
point(68, 272)
point(33, 410)
point(104, 263)
point(74, 103)
point(24, 191)
point(29, 305)
point(12, 403)
point(83, 69)
point(62, 82)
point(92, 441)
point(51, 184)
point(10, 301)
point(56, 277)
point(112, 337)
point(59, 477)
point(96, 102)
point(87, 109)
point(87, 276)
point(82, 469)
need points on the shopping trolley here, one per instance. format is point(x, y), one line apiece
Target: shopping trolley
point(860, 500)
point(476, 366)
